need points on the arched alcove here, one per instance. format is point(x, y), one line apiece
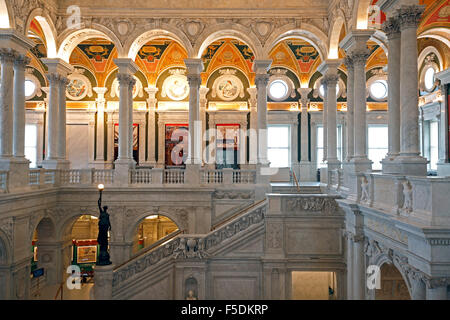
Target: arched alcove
point(393, 286)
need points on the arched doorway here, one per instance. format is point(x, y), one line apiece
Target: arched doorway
point(152, 229)
point(393, 286)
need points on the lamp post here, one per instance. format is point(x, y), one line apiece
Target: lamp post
point(104, 226)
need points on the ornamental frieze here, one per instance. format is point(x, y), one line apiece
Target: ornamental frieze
point(386, 230)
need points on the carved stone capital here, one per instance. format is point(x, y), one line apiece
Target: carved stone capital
point(22, 61)
point(8, 55)
point(262, 80)
point(360, 57)
point(194, 81)
point(409, 16)
point(348, 62)
point(125, 80)
point(392, 28)
point(330, 80)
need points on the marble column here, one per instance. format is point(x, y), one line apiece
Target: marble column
point(324, 120)
point(125, 161)
point(253, 132)
point(443, 166)
point(261, 68)
point(359, 272)
point(62, 120)
point(306, 171)
point(332, 160)
point(350, 108)
point(194, 69)
point(100, 159)
point(203, 106)
point(7, 58)
point(349, 266)
point(19, 107)
point(56, 114)
point(409, 162)
point(355, 44)
point(151, 136)
point(392, 29)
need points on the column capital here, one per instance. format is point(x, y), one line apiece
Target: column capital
point(195, 80)
point(10, 38)
point(57, 66)
point(261, 66)
point(126, 66)
point(360, 57)
point(151, 90)
point(126, 79)
point(262, 80)
point(356, 40)
point(100, 91)
point(392, 28)
point(348, 62)
point(194, 66)
point(304, 92)
point(8, 55)
point(330, 80)
point(436, 282)
point(409, 16)
point(22, 61)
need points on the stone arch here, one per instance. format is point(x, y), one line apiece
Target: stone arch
point(380, 38)
point(65, 226)
point(46, 229)
point(383, 259)
point(335, 33)
point(129, 233)
point(308, 33)
point(6, 17)
point(360, 16)
point(228, 30)
point(426, 51)
point(48, 28)
point(71, 38)
point(138, 39)
point(5, 249)
point(441, 34)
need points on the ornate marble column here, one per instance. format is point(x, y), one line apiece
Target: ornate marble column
point(306, 168)
point(100, 156)
point(253, 133)
point(262, 79)
point(350, 271)
point(56, 114)
point(409, 162)
point(358, 267)
point(194, 68)
point(392, 29)
point(7, 58)
point(19, 107)
point(203, 106)
point(151, 136)
point(355, 44)
point(443, 166)
point(62, 120)
point(325, 120)
point(125, 161)
point(350, 108)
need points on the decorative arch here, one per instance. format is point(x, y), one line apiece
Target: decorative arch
point(228, 30)
point(441, 34)
point(309, 33)
point(64, 227)
point(360, 14)
point(5, 249)
point(70, 39)
point(384, 258)
point(129, 233)
point(335, 34)
point(6, 19)
point(46, 229)
point(138, 39)
point(48, 28)
point(427, 51)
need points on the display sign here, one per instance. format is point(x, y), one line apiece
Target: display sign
point(38, 273)
point(86, 254)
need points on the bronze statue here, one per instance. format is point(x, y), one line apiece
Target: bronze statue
point(104, 226)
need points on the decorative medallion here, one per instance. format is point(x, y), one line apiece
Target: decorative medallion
point(228, 87)
point(176, 86)
point(79, 86)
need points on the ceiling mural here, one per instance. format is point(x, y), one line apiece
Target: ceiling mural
point(98, 54)
point(377, 56)
point(437, 14)
point(304, 53)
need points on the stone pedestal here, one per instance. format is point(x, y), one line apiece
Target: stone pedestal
point(18, 173)
point(192, 174)
point(307, 172)
point(103, 280)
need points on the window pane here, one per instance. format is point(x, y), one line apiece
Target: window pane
point(279, 158)
point(31, 143)
point(378, 137)
point(376, 155)
point(319, 137)
point(429, 78)
point(434, 141)
point(320, 164)
point(278, 136)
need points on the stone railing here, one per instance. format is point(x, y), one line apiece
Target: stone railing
point(69, 177)
point(424, 199)
point(244, 176)
point(188, 246)
point(141, 176)
point(3, 181)
point(335, 179)
point(103, 176)
point(211, 176)
point(174, 176)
